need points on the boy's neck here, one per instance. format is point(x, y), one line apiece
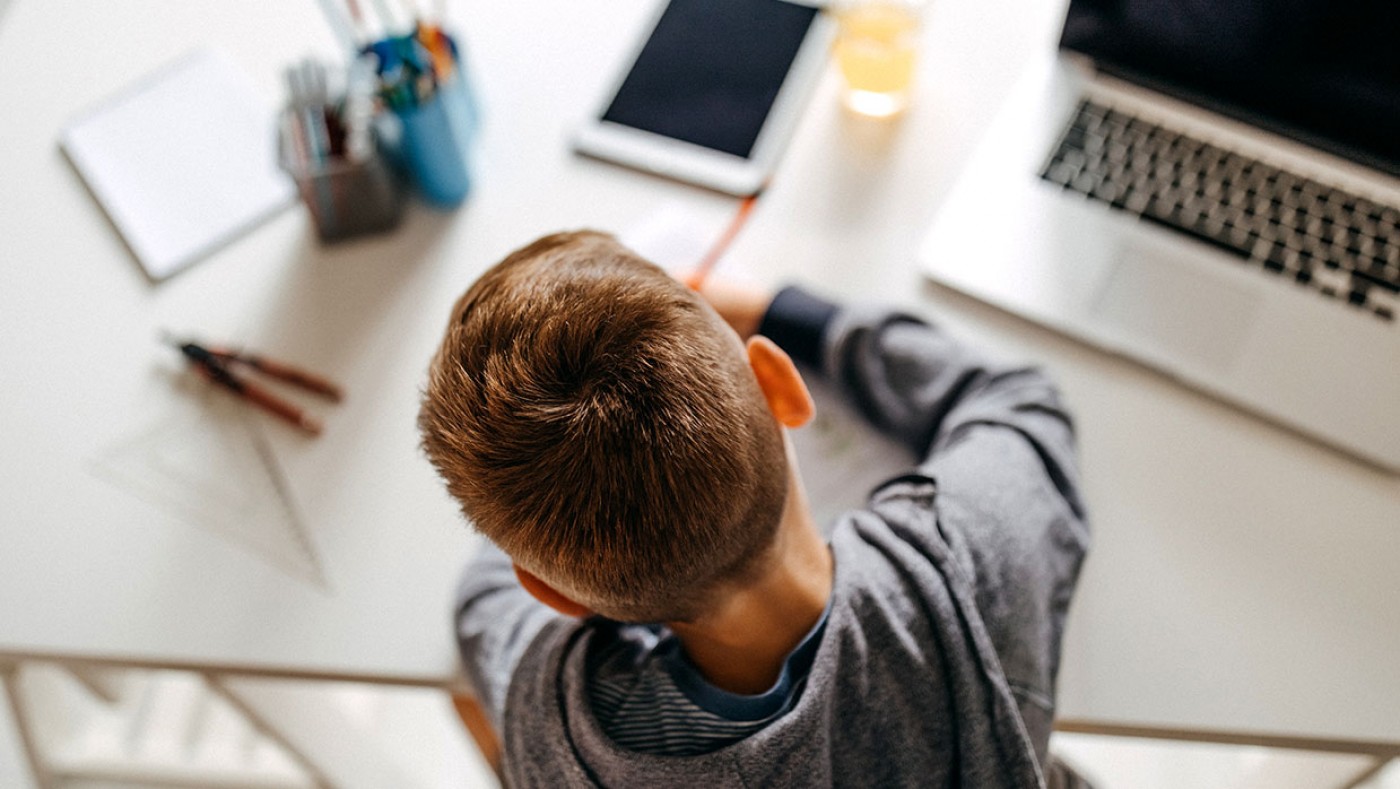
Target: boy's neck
point(741, 644)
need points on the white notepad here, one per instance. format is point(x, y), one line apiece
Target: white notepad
point(183, 163)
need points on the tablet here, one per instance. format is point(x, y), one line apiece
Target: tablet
point(713, 93)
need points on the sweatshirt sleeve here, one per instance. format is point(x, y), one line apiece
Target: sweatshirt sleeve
point(496, 620)
point(918, 384)
point(996, 446)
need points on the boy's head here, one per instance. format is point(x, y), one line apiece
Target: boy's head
point(598, 421)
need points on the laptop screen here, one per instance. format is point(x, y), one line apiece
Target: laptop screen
point(1326, 72)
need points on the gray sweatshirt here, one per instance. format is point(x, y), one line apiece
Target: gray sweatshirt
point(937, 662)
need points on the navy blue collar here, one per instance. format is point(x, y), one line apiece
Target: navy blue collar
point(739, 706)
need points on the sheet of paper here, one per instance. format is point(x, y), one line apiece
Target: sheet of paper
point(842, 457)
point(676, 240)
point(183, 163)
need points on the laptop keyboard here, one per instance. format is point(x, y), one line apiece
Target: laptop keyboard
point(1339, 245)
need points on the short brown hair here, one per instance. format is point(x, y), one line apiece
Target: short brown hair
point(600, 423)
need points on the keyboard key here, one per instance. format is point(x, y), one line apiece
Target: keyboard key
point(1060, 173)
point(1137, 202)
point(1085, 182)
point(1315, 246)
point(1074, 138)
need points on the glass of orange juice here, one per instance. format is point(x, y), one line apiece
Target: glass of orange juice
point(875, 50)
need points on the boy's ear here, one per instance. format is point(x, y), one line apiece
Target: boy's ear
point(782, 385)
point(549, 595)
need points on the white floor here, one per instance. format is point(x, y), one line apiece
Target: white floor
point(1123, 763)
point(172, 729)
point(175, 731)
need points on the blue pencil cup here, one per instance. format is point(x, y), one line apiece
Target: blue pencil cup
point(436, 142)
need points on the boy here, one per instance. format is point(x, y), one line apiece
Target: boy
point(658, 607)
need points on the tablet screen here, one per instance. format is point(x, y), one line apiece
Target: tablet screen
point(711, 70)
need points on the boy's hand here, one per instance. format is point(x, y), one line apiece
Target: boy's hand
point(741, 306)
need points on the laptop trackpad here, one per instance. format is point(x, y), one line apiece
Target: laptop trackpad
point(1176, 310)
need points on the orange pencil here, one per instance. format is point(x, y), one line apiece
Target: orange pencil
point(697, 277)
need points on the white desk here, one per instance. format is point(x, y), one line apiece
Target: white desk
point(1243, 582)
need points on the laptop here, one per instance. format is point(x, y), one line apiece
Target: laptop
point(1212, 189)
